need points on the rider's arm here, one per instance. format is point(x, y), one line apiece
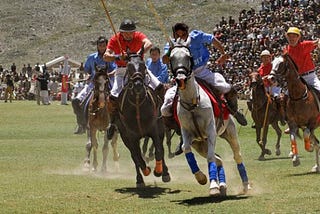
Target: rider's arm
point(109, 56)
point(224, 56)
point(147, 44)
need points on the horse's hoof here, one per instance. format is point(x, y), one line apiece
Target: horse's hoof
point(268, 151)
point(214, 189)
point(223, 189)
point(246, 187)
point(157, 174)
point(94, 169)
point(295, 161)
point(140, 185)
point(166, 178)
point(278, 152)
point(315, 168)
point(146, 171)
point(171, 155)
point(261, 158)
point(201, 178)
point(117, 157)
point(290, 155)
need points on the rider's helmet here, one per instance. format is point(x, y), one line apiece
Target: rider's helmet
point(127, 25)
point(294, 30)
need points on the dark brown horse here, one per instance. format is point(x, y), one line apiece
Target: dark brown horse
point(302, 109)
point(98, 120)
point(139, 117)
point(264, 112)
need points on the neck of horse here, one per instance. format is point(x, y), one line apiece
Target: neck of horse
point(190, 94)
point(259, 95)
point(295, 86)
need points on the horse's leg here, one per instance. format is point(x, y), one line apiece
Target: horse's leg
point(212, 167)
point(307, 142)
point(186, 147)
point(159, 153)
point(145, 146)
point(105, 151)
point(94, 143)
point(265, 139)
point(260, 143)
point(294, 147)
point(116, 155)
point(231, 136)
point(88, 149)
point(221, 176)
point(168, 141)
point(151, 152)
point(276, 127)
point(316, 167)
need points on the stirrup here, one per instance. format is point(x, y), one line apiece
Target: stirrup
point(240, 118)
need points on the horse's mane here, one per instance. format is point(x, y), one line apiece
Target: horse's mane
point(290, 60)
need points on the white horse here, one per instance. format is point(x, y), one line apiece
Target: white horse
point(199, 126)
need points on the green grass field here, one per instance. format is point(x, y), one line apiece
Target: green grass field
point(41, 172)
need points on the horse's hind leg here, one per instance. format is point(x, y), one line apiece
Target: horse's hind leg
point(105, 150)
point(94, 143)
point(294, 147)
point(168, 141)
point(88, 150)
point(260, 143)
point(307, 142)
point(276, 127)
point(316, 167)
point(116, 155)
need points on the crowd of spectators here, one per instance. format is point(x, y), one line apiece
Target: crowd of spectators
point(244, 39)
point(25, 86)
point(264, 29)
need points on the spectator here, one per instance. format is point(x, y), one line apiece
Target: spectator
point(9, 89)
point(44, 95)
point(156, 66)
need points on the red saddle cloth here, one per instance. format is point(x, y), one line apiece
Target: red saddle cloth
point(217, 111)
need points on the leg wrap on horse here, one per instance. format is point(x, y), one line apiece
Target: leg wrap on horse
point(232, 104)
point(192, 162)
point(242, 172)
point(212, 168)
point(221, 174)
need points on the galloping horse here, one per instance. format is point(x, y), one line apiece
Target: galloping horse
point(198, 124)
point(302, 108)
point(263, 115)
point(139, 117)
point(98, 119)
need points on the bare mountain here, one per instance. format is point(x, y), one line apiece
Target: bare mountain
point(37, 31)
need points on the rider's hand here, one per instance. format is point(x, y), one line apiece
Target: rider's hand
point(222, 59)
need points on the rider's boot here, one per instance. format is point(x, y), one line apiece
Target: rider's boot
point(79, 115)
point(113, 111)
point(232, 104)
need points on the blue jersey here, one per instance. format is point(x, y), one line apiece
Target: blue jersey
point(158, 69)
point(95, 58)
point(198, 48)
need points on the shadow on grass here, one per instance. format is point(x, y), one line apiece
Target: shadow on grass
point(277, 158)
point(147, 192)
point(303, 174)
point(210, 200)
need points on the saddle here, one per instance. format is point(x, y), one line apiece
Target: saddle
point(220, 110)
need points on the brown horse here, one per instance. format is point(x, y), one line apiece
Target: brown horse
point(261, 102)
point(98, 120)
point(301, 109)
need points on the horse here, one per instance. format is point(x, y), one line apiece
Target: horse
point(264, 112)
point(198, 123)
point(302, 109)
point(98, 120)
point(139, 117)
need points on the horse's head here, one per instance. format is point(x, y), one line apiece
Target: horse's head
point(101, 79)
point(181, 64)
point(255, 79)
point(282, 65)
point(136, 71)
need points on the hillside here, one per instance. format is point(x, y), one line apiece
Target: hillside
point(37, 31)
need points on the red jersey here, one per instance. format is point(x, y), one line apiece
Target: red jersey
point(265, 70)
point(301, 55)
point(134, 45)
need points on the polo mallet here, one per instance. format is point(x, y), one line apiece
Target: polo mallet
point(159, 21)
point(111, 23)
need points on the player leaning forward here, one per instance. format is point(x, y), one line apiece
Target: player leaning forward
point(132, 41)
